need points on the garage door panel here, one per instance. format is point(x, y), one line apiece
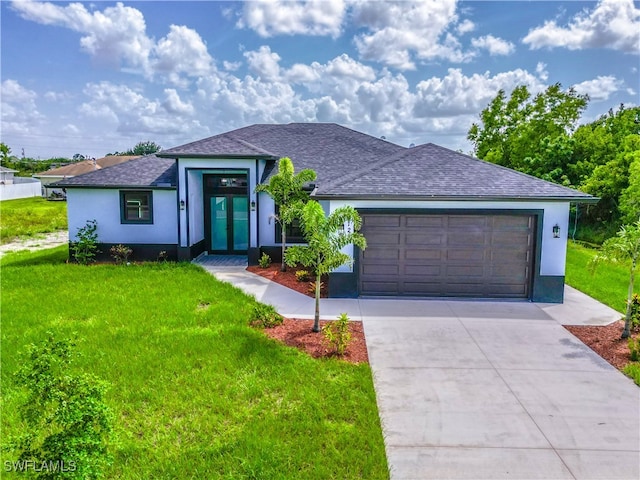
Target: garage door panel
point(447, 255)
point(425, 221)
point(424, 239)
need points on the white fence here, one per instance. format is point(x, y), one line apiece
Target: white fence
point(21, 188)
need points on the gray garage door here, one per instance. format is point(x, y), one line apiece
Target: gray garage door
point(447, 255)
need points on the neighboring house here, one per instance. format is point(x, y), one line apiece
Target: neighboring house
point(12, 187)
point(437, 222)
point(75, 169)
point(6, 175)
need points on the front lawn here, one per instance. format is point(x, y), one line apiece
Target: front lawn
point(609, 284)
point(196, 392)
point(31, 216)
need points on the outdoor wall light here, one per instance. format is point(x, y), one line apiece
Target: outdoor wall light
point(182, 204)
point(556, 231)
point(253, 205)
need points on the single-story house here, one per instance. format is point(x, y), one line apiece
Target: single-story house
point(437, 222)
point(7, 175)
point(74, 169)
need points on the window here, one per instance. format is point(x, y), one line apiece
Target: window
point(294, 231)
point(136, 207)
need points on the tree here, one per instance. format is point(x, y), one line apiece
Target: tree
point(630, 199)
point(145, 148)
point(326, 237)
point(531, 135)
point(623, 248)
point(286, 189)
point(5, 151)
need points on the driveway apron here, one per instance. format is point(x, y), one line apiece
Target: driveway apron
point(492, 390)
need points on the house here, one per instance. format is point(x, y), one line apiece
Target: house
point(78, 168)
point(437, 222)
point(7, 175)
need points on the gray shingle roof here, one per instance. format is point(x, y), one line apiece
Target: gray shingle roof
point(148, 171)
point(431, 171)
point(347, 163)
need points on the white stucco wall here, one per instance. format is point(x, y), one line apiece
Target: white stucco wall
point(553, 250)
point(103, 205)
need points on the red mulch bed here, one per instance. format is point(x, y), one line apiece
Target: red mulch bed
point(288, 279)
point(606, 341)
point(297, 333)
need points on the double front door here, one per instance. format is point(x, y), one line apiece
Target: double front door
point(226, 213)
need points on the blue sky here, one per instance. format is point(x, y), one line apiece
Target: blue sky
point(97, 77)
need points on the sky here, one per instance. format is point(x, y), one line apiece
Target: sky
point(99, 77)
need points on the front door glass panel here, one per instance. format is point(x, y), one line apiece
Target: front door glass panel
point(240, 222)
point(219, 223)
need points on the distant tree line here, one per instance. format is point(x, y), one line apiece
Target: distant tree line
point(540, 136)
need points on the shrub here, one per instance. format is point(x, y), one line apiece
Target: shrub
point(634, 349)
point(163, 256)
point(337, 334)
point(312, 287)
point(635, 312)
point(67, 422)
point(265, 316)
point(303, 276)
point(633, 370)
point(86, 247)
point(120, 253)
point(265, 260)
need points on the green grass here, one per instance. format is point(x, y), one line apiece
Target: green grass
point(26, 217)
point(609, 284)
point(632, 370)
point(196, 392)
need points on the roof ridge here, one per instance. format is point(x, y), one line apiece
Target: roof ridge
point(251, 146)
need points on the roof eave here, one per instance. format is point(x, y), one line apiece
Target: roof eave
point(462, 198)
point(233, 156)
point(104, 186)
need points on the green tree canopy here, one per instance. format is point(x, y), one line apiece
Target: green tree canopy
point(531, 135)
point(140, 148)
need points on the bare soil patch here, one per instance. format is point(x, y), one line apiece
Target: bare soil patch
point(605, 341)
point(289, 280)
point(297, 333)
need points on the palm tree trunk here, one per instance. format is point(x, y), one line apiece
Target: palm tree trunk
point(626, 333)
point(283, 266)
point(316, 318)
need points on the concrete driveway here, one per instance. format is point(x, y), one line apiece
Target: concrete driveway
point(491, 390)
point(486, 390)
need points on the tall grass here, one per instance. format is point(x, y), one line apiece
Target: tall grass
point(197, 393)
point(609, 284)
point(29, 217)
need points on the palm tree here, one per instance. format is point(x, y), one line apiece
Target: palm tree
point(326, 237)
point(623, 248)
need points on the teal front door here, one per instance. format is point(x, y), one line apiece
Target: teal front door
point(227, 214)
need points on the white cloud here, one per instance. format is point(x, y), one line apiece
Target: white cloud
point(113, 36)
point(182, 51)
point(19, 111)
point(613, 24)
point(541, 71)
point(399, 33)
point(173, 103)
point(263, 63)
point(116, 36)
point(465, 26)
point(494, 45)
point(231, 66)
point(308, 17)
point(600, 88)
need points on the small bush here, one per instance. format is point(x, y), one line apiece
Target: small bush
point(163, 256)
point(312, 287)
point(265, 316)
point(120, 253)
point(633, 371)
point(634, 349)
point(303, 276)
point(67, 421)
point(337, 334)
point(265, 260)
point(85, 249)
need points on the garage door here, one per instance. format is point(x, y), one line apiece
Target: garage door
point(447, 255)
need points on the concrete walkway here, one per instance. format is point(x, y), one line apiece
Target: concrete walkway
point(486, 390)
